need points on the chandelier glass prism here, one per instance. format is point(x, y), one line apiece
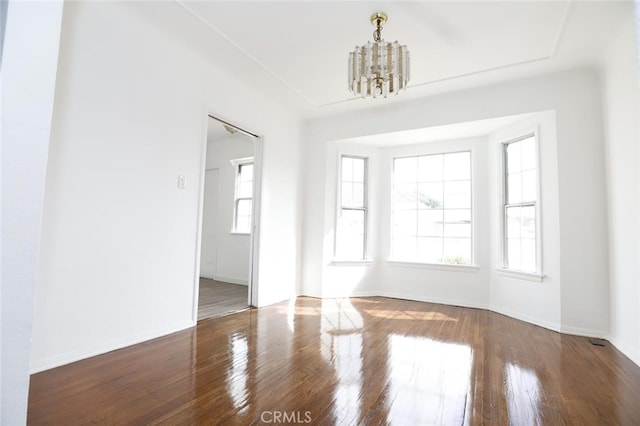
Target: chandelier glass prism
point(380, 68)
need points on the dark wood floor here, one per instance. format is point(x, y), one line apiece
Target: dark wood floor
point(351, 361)
point(219, 298)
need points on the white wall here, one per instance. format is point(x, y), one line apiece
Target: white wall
point(232, 251)
point(32, 37)
point(574, 95)
point(622, 112)
point(119, 247)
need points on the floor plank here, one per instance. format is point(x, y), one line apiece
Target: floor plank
point(219, 298)
point(348, 361)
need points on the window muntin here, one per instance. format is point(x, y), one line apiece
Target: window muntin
point(243, 197)
point(351, 238)
point(520, 214)
point(431, 209)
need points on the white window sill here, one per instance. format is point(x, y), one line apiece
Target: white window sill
point(436, 266)
point(343, 262)
point(521, 275)
point(239, 233)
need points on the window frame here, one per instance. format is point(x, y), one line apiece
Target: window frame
point(237, 166)
point(504, 269)
point(472, 265)
point(364, 209)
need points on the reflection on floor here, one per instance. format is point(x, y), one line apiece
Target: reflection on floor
point(360, 361)
point(219, 298)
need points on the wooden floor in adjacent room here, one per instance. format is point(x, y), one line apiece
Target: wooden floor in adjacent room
point(348, 361)
point(218, 298)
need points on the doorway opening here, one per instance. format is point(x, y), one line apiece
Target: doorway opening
point(230, 201)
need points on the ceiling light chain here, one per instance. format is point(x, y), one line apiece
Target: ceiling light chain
point(378, 68)
point(377, 34)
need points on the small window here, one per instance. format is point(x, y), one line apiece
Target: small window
point(351, 241)
point(243, 196)
point(431, 209)
point(520, 216)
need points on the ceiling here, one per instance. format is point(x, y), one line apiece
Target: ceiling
point(296, 51)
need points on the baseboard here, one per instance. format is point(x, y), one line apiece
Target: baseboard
point(553, 326)
point(585, 332)
point(231, 280)
point(102, 348)
point(352, 294)
point(632, 353)
point(450, 302)
point(576, 331)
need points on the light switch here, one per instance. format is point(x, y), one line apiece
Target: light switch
point(182, 182)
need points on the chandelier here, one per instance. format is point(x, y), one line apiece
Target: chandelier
point(379, 68)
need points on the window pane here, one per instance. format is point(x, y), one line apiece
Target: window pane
point(514, 188)
point(350, 234)
point(430, 195)
point(246, 172)
point(404, 222)
point(529, 185)
point(243, 196)
point(358, 169)
point(457, 251)
point(243, 216)
point(244, 207)
point(357, 199)
point(457, 194)
point(429, 249)
point(430, 223)
point(513, 157)
point(528, 222)
point(405, 170)
point(406, 196)
point(430, 168)
point(520, 227)
point(457, 223)
point(430, 205)
point(457, 166)
point(347, 194)
point(351, 227)
point(513, 222)
point(347, 169)
point(528, 150)
point(245, 189)
point(352, 194)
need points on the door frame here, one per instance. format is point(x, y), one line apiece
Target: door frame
point(252, 296)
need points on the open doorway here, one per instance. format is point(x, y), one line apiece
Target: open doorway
point(229, 209)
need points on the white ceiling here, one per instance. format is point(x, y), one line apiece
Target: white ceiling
point(296, 51)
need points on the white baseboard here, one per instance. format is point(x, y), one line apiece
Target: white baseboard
point(101, 348)
point(442, 301)
point(553, 326)
point(630, 352)
point(585, 332)
point(231, 280)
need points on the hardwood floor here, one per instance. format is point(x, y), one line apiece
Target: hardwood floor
point(348, 361)
point(218, 298)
